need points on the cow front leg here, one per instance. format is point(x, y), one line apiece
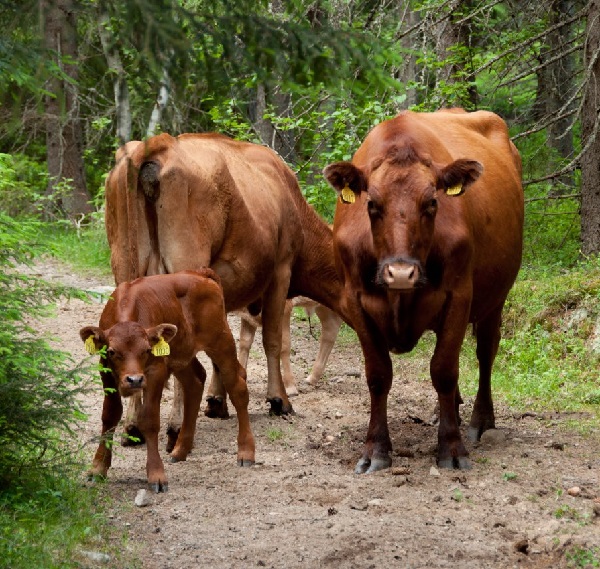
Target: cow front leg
point(488, 340)
point(192, 380)
point(175, 416)
point(444, 376)
point(112, 410)
point(132, 435)
point(272, 314)
point(378, 445)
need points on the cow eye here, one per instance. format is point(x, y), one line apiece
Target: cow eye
point(111, 352)
point(431, 206)
point(373, 209)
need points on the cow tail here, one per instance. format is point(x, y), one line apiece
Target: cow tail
point(131, 199)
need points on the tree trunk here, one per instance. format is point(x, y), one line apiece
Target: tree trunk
point(590, 160)
point(64, 137)
point(450, 34)
point(121, 90)
point(556, 81)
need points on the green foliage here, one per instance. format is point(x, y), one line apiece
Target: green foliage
point(583, 557)
point(22, 182)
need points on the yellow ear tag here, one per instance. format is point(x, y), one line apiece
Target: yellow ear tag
point(348, 196)
point(90, 346)
point(161, 348)
point(455, 190)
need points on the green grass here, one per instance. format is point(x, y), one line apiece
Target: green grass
point(86, 250)
point(50, 522)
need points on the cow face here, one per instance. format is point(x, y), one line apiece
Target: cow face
point(400, 193)
point(130, 350)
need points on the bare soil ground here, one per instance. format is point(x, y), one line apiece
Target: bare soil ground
point(301, 505)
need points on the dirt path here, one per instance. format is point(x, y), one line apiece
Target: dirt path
point(302, 506)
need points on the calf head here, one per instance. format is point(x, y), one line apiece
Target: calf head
point(130, 350)
point(400, 192)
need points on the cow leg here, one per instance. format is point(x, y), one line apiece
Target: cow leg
point(149, 422)
point(247, 333)
point(444, 376)
point(131, 432)
point(378, 369)
point(216, 397)
point(330, 326)
point(286, 346)
point(112, 410)
point(175, 416)
point(272, 313)
point(192, 380)
point(488, 340)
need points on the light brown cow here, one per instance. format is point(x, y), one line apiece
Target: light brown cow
point(330, 326)
point(152, 327)
point(202, 200)
point(428, 236)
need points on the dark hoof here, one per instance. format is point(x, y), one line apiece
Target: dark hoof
point(277, 407)
point(91, 477)
point(370, 465)
point(172, 435)
point(132, 437)
point(245, 462)
point(174, 459)
point(454, 462)
point(158, 487)
point(216, 408)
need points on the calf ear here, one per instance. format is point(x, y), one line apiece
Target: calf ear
point(164, 331)
point(455, 178)
point(346, 179)
point(93, 338)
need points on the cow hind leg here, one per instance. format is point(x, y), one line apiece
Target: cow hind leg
point(192, 380)
point(132, 435)
point(488, 340)
point(330, 326)
point(216, 397)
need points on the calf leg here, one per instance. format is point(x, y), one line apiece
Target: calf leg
point(330, 326)
point(192, 384)
point(488, 340)
point(131, 432)
point(112, 410)
point(149, 422)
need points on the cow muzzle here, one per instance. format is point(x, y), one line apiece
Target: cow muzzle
point(400, 275)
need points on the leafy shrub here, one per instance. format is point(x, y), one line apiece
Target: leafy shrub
point(22, 182)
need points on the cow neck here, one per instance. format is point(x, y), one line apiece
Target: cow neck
point(402, 306)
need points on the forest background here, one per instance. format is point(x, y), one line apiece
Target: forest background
point(309, 79)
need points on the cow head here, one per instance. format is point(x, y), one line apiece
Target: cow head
point(400, 192)
point(130, 350)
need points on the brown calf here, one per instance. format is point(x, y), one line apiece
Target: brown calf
point(150, 328)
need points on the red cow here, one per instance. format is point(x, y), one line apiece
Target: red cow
point(416, 254)
point(150, 328)
point(204, 200)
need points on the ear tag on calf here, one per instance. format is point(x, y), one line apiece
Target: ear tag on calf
point(348, 196)
point(161, 348)
point(455, 190)
point(90, 346)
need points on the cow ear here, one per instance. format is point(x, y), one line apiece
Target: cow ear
point(93, 338)
point(346, 179)
point(455, 178)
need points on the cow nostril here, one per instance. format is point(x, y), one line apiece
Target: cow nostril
point(134, 380)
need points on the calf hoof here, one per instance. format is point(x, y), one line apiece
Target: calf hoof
point(216, 408)
point(370, 465)
point(278, 408)
point(245, 462)
point(455, 462)
point(172, 435)
point(158, 487)
point(132, 437)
